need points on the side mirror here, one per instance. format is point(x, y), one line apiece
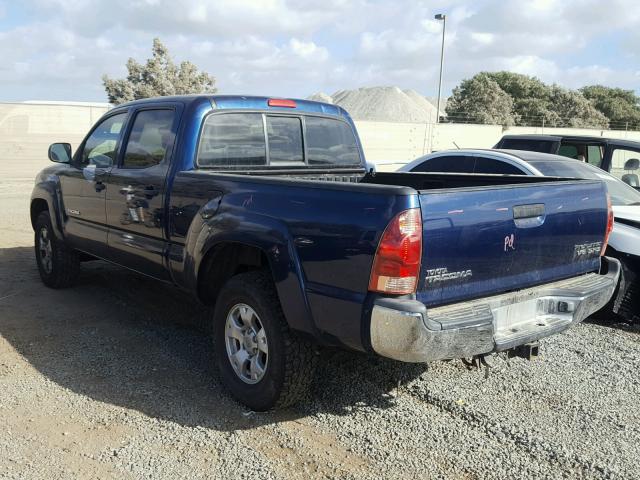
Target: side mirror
point(632, 164)
point(60, 152)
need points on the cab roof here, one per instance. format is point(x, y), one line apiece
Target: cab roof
point(573, 138)
point(248, 102)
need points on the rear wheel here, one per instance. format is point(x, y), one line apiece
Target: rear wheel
point(57, 264)
point(263, 363)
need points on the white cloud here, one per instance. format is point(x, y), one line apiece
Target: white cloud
point(295, 47)
point(308, 50)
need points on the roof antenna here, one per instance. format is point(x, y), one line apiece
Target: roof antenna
point(456, 145)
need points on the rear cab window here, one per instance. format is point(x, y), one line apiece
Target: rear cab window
point(235, 140)
point(284, 136)
point(496, 167)
point(447, 164)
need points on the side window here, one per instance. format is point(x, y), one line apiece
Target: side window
point(594, 155)
point(447, 164)
point(581, 151)
point(285, 140)
point(498, 167)
point(100, 147)
point(625, 165)
point(232, 140)
point(570, 151)
point(150, 140)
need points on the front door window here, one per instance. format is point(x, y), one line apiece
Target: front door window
point(100, 148)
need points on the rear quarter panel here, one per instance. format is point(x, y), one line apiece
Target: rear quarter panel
point(319, 238)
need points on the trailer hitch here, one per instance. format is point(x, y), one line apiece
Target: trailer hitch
point(528, 351)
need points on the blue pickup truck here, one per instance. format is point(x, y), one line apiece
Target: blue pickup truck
point(263, 209)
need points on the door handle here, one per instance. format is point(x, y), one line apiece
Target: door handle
point(100, 186)
point(529, 216)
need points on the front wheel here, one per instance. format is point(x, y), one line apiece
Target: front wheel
point(57, 264)
point(263, 363)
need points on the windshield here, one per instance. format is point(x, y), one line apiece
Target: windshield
point(621, 193)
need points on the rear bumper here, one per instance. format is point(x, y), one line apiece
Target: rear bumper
point(406, 330)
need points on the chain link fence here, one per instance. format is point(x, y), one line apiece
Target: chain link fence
point(539, 121)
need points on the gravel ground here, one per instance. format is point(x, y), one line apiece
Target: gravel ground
point(110, 379)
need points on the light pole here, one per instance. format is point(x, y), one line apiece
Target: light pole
point(443, 17)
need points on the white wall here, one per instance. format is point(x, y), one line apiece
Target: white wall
point(27, 130)
point(390, 145)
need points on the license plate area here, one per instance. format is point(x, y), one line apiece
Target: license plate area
point(512, 319)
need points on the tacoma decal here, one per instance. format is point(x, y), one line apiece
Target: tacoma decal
point(586, 250)
point(436, 275)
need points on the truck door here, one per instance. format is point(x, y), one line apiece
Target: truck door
point(135, 192)
point(83, 186)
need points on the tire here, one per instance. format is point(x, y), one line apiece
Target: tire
point(57, 264)
point(282, 376)
point(623, 307)
point(630, 305)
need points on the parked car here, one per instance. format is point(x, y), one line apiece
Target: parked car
point(624, 243)
point(621, 158)
point(262, 208)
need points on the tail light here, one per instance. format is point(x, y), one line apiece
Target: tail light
point(609, 225)
point(396, 265)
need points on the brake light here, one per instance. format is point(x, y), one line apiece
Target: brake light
point(281, 102)
point(610, 219)
point(396, 265)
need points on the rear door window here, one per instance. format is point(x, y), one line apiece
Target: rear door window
point(150, 140)
point(447, 164)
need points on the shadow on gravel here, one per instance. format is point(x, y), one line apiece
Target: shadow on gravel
point(618, 324)
point(127, 340)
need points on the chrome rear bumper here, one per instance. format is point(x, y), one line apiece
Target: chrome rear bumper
point(406, 330)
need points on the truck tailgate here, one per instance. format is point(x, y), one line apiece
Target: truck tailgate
point(483, 240)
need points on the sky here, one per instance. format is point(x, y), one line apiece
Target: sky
point(59, 49)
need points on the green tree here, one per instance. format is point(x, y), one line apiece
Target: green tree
point(530, 97)
point(621, 107)
point(532, 102)
point(574, 110)
point(481, 99)
point(158, 77)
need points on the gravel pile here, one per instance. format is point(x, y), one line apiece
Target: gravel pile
point(382, 104)
point(109, 379)
point(321, 97)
